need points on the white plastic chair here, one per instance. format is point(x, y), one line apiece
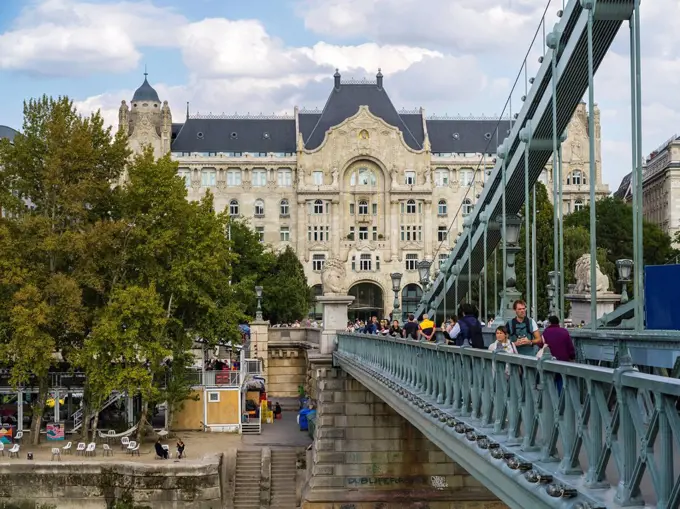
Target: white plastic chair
point(80, 449)
point(124, 442)
point(18, 436)
point(90, 451)
point(167, 448)
point(131, 445)
point(56, 453)
point(134, 450)
point(68, 448)
point(107, 450)
point(14, 451)
point(2, 449)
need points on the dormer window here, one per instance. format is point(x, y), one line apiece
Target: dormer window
point(265, 135)
point(234, 135)
point(199, 135)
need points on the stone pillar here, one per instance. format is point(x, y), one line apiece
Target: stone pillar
point(580, 305)
point(427, 228)
point(336, 226)
point(365, 455)
point(259, 344)
point(334, 319)
point(393, 253)
point(301, 230)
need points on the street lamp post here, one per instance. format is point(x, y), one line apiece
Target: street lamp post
point(396, 286)
point(455, 271)
point(510, 235)
point(625, 269)
point(551, 298)
point(467, 227)
point(258, 313)
point(554, 278)
point(484, 219)
point(424, 274)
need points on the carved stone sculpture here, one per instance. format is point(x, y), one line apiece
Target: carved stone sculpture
point(335, 174)
point(582, 274)
point(123, 119)
point(333, 277)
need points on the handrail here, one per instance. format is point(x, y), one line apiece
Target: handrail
point(528, 419)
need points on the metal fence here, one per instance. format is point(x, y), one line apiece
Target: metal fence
point(563, 422)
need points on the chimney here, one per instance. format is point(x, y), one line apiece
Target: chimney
point(336, 77)
point(379, 79)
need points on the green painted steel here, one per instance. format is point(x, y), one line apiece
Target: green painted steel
point(504, 417)
point(566, 67)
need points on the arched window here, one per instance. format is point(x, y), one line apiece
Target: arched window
point(259, 207)
point(318, 207)
point(467, 206)
point(411, 207)
point(185, 175)
point(285, 178)
point(442, 208)
point(284, 209)
point(441, 177)
point(576, 178)
point(578, 205)
point(208, 178)
point(259, 178)
point(233, 178)
point(363, 177)
point(363, 208)
point(233, 208)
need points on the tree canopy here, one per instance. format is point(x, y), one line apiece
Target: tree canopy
point(104, 261)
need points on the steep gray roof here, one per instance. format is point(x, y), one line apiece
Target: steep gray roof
point(467, 135)
point(146, 92)
point(254, 134)
point(235, 135)
point(7, 132)
point(344, 101)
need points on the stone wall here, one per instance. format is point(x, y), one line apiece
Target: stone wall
point(287, 359)
point(366, 454)
point(287, 371)
point(90, 484)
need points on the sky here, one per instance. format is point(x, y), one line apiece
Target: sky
point(455, 57)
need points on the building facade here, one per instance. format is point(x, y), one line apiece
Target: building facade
point(660, 187)
point(378, 188)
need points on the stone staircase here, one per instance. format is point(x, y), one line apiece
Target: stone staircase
point(248, 479)
point(283, 474)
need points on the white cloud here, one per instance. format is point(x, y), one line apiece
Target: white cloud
point(469, 26)
point(68, 37)
point(455, 56)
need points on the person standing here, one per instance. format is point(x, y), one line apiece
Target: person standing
point(523, 330)
point(561, 346)
point(410, 330)
point(427, 328)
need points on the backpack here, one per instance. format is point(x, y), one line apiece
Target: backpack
point(512, 326)
point(471, 330)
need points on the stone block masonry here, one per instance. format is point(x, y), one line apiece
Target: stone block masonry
point(365, 455)
point(287, 371)
point(91, 485)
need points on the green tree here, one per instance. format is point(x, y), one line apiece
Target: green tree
point(54, 185)
point(286, 295)
point(128, 347)
point(614, 230)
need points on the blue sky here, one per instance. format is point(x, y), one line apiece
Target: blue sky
point(448, 56)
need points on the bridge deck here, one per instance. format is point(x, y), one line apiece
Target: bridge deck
point(606, 439)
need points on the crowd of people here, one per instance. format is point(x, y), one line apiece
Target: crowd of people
point(520, 335)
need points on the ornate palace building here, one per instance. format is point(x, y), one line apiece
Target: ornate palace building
point(660, 187)
point(378, 188)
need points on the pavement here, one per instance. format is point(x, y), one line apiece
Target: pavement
point(284, 432)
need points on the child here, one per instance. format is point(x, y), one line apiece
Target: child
point(503, 344)
point(180, 448)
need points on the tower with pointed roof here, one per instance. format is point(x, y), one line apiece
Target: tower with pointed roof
point(146, 121)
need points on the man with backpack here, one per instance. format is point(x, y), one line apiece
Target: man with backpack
point(468, 328)
point(523, 330)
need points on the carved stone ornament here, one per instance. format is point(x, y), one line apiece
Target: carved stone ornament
point(333, 277)
point(582, 275)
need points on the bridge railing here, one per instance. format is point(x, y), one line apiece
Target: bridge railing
point(560, 421)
